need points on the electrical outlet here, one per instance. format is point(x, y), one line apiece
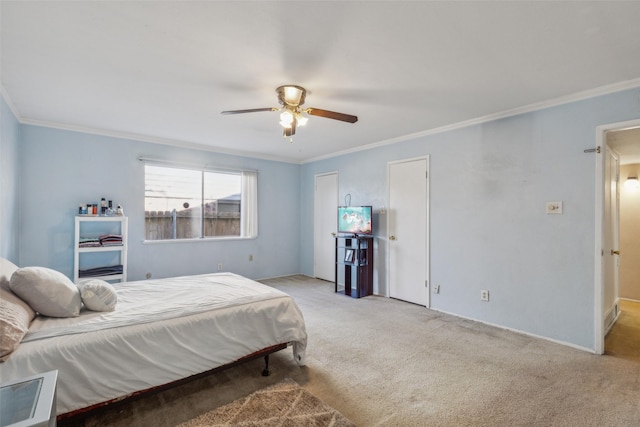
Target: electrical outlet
point(219, 267)
point(484, 295)
point(250, 257)
point(148, 276)
point(436, 289)
point(554, 208)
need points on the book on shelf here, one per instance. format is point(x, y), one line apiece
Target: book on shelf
point(348, 255)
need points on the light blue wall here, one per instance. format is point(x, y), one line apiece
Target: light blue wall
point(62, 169)
point(488, 187)
point(9, 182)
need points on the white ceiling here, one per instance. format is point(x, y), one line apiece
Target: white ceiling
point(163, 71)
point(626, 143)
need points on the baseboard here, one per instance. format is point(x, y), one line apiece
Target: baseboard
point(283, 276)
point(611, 316)
point(518, 331)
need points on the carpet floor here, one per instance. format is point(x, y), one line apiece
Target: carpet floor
point(284, 404)
point(383, 362)
point(623, 340)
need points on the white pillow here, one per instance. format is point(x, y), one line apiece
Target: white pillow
point(98, 295)
point(47, 291)
point(6, 270)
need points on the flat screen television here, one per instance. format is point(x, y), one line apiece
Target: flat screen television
point(355, 220)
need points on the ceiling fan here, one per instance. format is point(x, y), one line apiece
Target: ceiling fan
point(292, 115)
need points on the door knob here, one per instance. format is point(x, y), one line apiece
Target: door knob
point(615, 252)
point(392, 237)
point(333, 234)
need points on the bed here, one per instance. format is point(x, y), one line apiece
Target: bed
point(160, 332)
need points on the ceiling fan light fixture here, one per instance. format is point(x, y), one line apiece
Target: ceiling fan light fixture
point(291, 95)
point(292, 114)
point(286, 118)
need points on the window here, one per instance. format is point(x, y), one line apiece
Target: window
point(184, 203)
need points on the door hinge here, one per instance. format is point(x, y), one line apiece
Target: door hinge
point(426, 174)
point(593, 150)
point(426, 283)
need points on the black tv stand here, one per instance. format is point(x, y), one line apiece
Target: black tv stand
point(354, 264)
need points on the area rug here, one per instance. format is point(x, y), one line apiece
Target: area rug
point(283, 404)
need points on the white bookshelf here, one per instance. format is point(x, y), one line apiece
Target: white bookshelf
point(100, 225)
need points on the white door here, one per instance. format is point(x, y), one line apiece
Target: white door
point(408, 231)
point(611, 235)
point(325, 226)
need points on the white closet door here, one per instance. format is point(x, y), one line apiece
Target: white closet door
point(408, 231)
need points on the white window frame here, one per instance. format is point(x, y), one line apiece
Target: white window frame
point(248, 203)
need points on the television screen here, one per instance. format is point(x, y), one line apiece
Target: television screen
point(355, 220)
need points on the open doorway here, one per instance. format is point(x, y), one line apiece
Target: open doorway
point(623, 338)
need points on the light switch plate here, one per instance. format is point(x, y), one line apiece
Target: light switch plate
point(554, 208)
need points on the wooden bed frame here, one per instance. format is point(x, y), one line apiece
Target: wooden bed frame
point(74, 417)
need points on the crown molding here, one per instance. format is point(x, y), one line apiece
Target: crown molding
point(10, 103)
point(578, 96)
point(153, 140)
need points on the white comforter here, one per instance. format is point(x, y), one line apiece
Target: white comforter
point(154, 300)
point(161, 331)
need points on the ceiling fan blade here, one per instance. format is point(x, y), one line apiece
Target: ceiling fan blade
point(251, 110)
point(332, 115)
